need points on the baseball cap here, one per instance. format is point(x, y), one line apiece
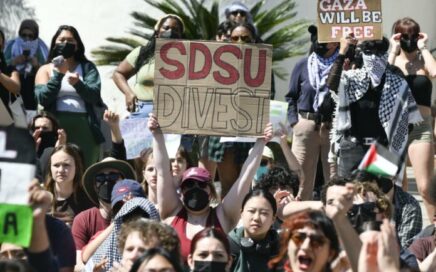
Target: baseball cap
point(196, 173)
point(89, 176)
point(126, 187)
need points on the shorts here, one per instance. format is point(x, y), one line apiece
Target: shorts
point(422, 132)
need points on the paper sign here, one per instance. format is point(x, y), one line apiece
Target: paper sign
point(137, 137)
point(277, 115)
point(338, 18)
point(212, 88)
point(16, 224)
point(17, 169)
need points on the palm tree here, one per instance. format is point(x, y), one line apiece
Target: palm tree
point(12, 12)
point(276, 25)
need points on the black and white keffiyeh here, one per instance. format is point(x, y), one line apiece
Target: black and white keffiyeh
point(397, 108)
point(318, 69)
point(109, 248)
point(375, 66)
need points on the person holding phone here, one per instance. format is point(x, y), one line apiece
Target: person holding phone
point(27, 53)
point(409, 53)
point(70, 90)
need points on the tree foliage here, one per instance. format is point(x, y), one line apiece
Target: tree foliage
point(277, 26)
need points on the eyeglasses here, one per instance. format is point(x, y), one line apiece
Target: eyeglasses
point(316, 240)
point(240, 12)
point(189, 184)
point(246, 39)
point(109, 177)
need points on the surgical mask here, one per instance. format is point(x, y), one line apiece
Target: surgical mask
point(409, 45)
point(320, 49)
point(375, 66)
point(261, 171)
point(105, 191)
point(67, 50)
point(169, 34)
point(196, 199)
point(209, 266)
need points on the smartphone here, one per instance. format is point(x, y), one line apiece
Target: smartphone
point(57, 61)
point(26, 52)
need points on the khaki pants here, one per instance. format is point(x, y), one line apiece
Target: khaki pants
point(311, 142)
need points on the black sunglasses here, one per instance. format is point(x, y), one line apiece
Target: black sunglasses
point(246, 39)
point(109, 177)
point(366, 208)
point(241, 12)
point(316, 240)
point(189, 184)
point(28, 36)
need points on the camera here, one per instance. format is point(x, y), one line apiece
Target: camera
point(57, 61)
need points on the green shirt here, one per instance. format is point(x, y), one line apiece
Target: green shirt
point(144, 84)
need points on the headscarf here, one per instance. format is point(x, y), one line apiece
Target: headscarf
point(109, 248)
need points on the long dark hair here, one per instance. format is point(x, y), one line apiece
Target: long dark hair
point(263, 193)
point(149, 254)
point(211, 233)
point(79, 55)
point(146, 53)
point(2, 55)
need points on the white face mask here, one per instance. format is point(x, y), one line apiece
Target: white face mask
point(375, 66)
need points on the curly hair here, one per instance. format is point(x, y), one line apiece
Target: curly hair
point(279, 177)
point(383, 204)
point(153, 233)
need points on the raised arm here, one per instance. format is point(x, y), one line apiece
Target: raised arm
point(430, 62)
point(168, 200)
point(12, 83)
point(229, 210)
point(292, 161)
point(334, 76)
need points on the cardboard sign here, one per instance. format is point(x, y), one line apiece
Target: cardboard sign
point(338, 18)
point(17, 169)
point(212, 88)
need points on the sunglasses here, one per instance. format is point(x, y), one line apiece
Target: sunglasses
point(264, 162)
point(189, 184)
point(246, 39)
point(316, 240)
point(241, 12)
point(28, 36)
point(109, 177)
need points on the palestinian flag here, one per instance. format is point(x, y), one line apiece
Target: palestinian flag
point(380, 161)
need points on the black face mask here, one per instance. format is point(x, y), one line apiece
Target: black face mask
point(408, 45)
point(196, 199)
point(169, 34)
point(207, 266)
point(320, 49)
point(67, 50)
point(105, 191)
point(48, 139)
point(361, 213)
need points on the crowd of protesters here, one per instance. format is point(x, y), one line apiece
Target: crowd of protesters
point(102, 212)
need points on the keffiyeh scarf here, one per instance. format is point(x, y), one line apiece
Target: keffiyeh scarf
point(318, 69)
point(109, 248)
point(397, 107)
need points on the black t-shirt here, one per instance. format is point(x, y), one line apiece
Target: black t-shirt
point(4, 93)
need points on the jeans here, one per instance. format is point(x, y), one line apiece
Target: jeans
point(350, 155)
